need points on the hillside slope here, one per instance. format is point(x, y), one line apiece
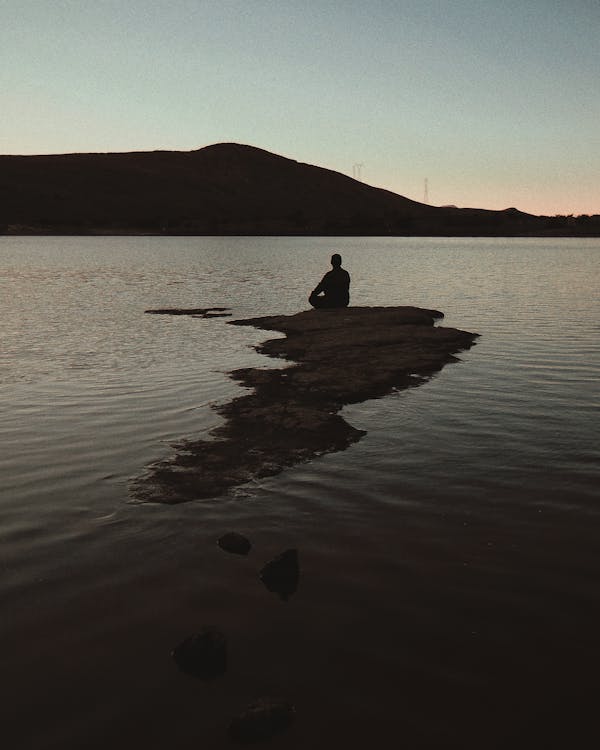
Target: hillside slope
point(221, 189)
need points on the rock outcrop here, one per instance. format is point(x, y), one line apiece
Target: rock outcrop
point(262, 720)
point(203, 654)
point(341, 356)
point(236, 544)
point(281, 574)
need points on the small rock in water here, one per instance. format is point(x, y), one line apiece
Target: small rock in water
point(262, 720)
point(196, 312)
point(202, 655)
point(281, 574)
point(235, 543)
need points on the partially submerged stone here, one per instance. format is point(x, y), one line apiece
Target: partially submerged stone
point(203, 654)
point(340, 356)
point(262, 719)
point(235, 543)
point(196, 312)
point(282, 573)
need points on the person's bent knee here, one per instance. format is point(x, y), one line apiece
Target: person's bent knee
point(316, 301)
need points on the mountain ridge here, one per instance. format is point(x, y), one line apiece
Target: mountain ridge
point(223, 188)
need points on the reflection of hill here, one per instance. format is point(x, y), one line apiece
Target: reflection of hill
point(222, 189)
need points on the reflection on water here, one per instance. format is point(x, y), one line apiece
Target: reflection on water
point(448, 559)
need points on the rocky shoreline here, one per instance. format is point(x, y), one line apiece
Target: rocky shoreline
point(340, 357)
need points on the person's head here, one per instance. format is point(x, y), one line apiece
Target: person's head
point(336, 260)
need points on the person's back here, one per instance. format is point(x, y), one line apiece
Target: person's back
point(335, 286)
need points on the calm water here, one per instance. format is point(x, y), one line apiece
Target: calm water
point(450, 559)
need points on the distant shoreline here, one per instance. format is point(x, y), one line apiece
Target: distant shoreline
point(66, 232)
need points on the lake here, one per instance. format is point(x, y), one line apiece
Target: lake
point(450, 560)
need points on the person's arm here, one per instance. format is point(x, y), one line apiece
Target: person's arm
point(321, 286)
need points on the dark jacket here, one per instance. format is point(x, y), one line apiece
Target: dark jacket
point(336, 286)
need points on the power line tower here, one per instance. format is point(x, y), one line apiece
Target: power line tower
point(356, 168)
point(426, 191)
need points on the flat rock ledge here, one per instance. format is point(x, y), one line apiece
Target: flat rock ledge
point(340, 356)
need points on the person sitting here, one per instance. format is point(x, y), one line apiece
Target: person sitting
point(335, 286)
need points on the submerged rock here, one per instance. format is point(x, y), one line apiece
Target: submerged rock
point(202, 655)
point(196, 312)
point(262, 720)
point(235, 543)
point(281, 574)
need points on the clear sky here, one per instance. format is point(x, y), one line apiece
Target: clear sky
point(496, 102)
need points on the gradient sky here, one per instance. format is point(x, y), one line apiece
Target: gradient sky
point(496, 103)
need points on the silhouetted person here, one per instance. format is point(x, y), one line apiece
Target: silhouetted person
point(335, 286)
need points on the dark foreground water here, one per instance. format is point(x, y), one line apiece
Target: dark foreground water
point(450, 561)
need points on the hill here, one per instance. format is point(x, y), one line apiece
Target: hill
point(225, 188)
